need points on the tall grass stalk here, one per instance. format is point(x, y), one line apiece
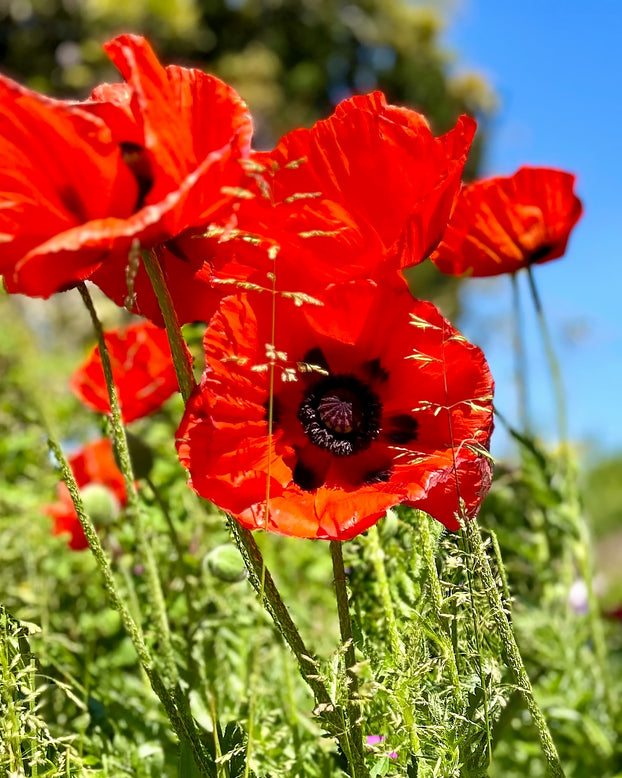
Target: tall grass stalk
point(511, 650)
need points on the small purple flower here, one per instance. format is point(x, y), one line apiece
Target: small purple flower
point(373, 740)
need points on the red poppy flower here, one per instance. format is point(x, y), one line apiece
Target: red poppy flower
point(183, 131)
point(142, 368)
point(383, 164)
point(504, 224)
point(81, 183)
point(92, 464)
point(60, 169)
point(377, 400)
point(359, 195)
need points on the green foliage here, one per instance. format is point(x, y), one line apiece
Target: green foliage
point(603, 496)
point(530, 510)
point(292, 60)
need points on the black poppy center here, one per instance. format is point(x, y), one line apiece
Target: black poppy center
point(341, 414)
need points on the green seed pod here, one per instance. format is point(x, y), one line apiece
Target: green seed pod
point(140, 454)
point(100, 504)
point(225, 563)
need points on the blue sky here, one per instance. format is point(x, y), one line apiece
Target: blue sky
point(557, 69)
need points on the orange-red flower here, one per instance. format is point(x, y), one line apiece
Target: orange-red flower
point(377, 400)
point(140, 163)
point(359, 195)
point(383, 164)
point(142, 368)
point(92, 464)
point(501, 225)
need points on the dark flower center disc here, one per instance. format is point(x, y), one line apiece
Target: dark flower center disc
point(341, 414)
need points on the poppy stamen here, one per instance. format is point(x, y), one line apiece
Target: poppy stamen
point(341, 414)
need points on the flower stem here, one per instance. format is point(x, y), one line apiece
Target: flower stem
point(554, 366)
point(259, 574)
point(345, 627)
point(377, 558)
point(133, 503)
point(326, 710)
point(583, 551)
point(181, 359)
point(180, 721)
point(397, 647)
point(427, 548)
point(520, 361)
point(511, 650)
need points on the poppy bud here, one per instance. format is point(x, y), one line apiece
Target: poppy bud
point(225, 563)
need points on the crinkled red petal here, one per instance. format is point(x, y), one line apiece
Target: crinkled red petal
point(501, 225)
point(384, 163)
point(59, 168)
point(185, 114)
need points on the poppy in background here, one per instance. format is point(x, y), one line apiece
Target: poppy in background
point(501, 225)
point(142, 369)
point(377, 400)
point(80, 183)
point(101, 485)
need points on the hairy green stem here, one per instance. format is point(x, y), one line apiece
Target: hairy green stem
point(505, 586)
point(511, 650)
point(554, 366)
point(478, 645)
point(429, 557)
point(329, 714)
point(397, 647)
point(132, 628)
point(181, 358)
point(133, 502)
point(345, 628)
point(181, 723)
point(377, 558)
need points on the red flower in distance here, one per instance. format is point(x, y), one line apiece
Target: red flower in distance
point(142, 368)
point(92, 464)
point(82, 183)
point(501, 225)
point(377, 401)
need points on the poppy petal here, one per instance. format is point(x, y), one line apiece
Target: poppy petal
point(501, 225)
